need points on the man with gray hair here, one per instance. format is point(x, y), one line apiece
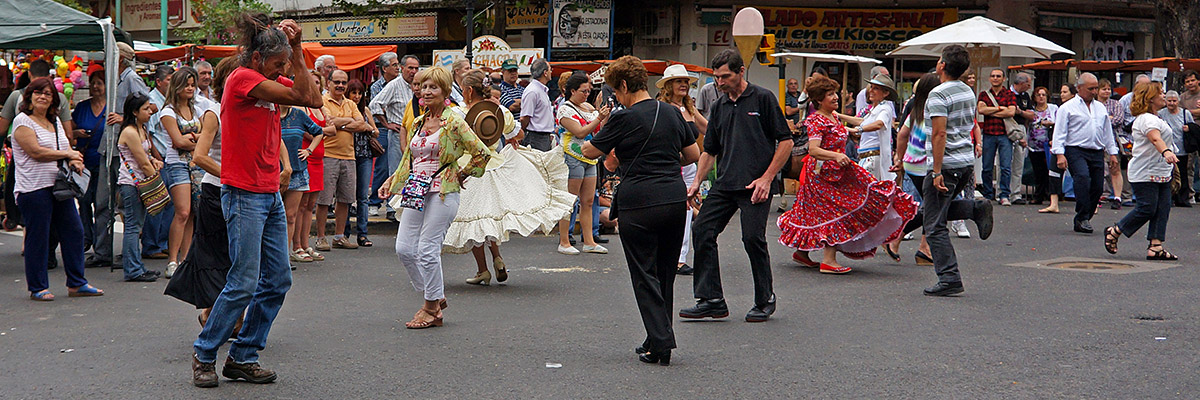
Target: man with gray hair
point(1178, 118)
point(537, 113)
point(204, 85)
point(1021, 84)
point(1082, 136)
point(389, 65)
point(1127, 99)
point(326, 64)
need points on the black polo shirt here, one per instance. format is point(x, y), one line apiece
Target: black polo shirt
point(743, 135)
point(1024, 103)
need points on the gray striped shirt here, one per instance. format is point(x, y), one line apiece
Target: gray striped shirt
point(955, 101)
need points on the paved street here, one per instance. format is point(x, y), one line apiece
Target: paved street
point(1017, 332)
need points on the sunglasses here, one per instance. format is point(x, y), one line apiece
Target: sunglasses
point(339, 82)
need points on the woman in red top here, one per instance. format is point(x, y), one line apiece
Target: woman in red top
point(316, 182)
point(839, 205)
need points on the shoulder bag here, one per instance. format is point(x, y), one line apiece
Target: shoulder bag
point(1015, 130)
point(151, 190)
point(614, 210)
point(68, 184)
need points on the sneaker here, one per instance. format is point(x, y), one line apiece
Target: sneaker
point(568, 250)
point(960, 229)
point(299, 255)
point(344, 243)
point(909, 236)
point(1005, 202)
point(250, 372)
point(323, 244)
point(314, 254)
point(148, 276)
point(171, 267)
point(373, 210)
point(204, 374)
point(597, 249)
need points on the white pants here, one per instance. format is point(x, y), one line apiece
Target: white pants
point(419, 243)
point(689, 176)
point(875, 165)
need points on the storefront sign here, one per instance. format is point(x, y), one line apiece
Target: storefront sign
point(720, 35)
point(716, 16)
point(534, 15)
point(1110, 50)
point(415, 27)
point(489, 52)
point(850, 29)
point(146, 15)
point(581, 24)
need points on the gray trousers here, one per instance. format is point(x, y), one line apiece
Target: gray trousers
point(940, 207)
point(1018, 169)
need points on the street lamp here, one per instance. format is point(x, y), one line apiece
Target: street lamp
point(470, 30)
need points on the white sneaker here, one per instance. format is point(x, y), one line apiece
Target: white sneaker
point(171, 267)
point(569, 250)
point(960, 229)
point(597, 249)
point(373, 210)
point(1005, 202)
point(910, 236)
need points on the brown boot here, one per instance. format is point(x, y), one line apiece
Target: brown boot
point(251, 372)
point(203, 374)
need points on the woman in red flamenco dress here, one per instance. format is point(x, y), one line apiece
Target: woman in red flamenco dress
point(839, 205)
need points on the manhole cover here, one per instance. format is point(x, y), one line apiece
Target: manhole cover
point(1092, 266)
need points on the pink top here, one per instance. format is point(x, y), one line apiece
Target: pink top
point(425, 150)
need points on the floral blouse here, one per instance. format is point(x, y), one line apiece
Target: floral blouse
point(1039, 135)
point(455, 140)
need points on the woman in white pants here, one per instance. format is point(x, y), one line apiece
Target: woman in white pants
point(438, 139)
point(674, 88)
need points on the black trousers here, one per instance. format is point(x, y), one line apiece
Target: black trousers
point(1041, 175)
point(651, 238)
point(1087, 169)
point(940, 207)
point(715, 214)
point(1185, 184)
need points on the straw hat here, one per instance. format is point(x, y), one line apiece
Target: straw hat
point(884, 81)
point(485, 120)
point(676, 71)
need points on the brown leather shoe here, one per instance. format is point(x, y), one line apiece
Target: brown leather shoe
point(203, 374)
point(251, 372)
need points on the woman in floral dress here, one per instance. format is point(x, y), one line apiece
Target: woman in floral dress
point(839, 205)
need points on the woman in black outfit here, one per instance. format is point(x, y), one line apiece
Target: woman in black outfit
point(648, 137)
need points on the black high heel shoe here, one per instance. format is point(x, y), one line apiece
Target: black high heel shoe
point(651, 357)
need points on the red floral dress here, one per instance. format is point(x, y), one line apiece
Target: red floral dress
point(842, 205)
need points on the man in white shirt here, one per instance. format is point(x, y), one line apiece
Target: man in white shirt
point(204, 69)
point(1082, 137)
point(537, 113)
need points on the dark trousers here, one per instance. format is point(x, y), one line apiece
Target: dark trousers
point(363, 168)
point(543, 141)
point(1087, 169)
point(86, 214)
point(940, 207)
point(1056, 182)
point(1185, 184)
point(651, 238)
point(1153, 206)
point(1041, 175)
point(45, 217)
point(715, 214)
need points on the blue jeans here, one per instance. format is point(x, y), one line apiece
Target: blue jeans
point(155, 230)
point(135, 218)
point(595, 217)
point(991, 145)
point(1153, 206)
point(382, 170)
point(46, 219)
point(258, 279)
point(362, 191)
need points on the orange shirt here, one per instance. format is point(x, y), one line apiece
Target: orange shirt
point(341, 145)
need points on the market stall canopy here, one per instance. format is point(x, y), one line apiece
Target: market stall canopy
point(46, 24)
point(829, 57)
point(347, 57)
point(653, 67)
point(139, 45)
point(980, 32)
point(187, 50)
point(1171, 64)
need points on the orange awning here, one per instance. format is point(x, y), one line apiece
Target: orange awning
point(193, 50)
point(347, 57)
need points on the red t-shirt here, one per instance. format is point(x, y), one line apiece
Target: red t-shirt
point(250, 129)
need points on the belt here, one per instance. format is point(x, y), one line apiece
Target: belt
point(870, 153)
point(543, 133)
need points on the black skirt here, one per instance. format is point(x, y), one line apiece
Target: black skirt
point(201, 277)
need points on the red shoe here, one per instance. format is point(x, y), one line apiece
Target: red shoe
point(802, 258)
point(829, 269)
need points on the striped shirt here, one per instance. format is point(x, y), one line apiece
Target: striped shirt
point(510, 93)
point(31, 174)
point(955, 101)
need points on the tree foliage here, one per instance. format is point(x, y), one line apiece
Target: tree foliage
point(220, 18)
point(83, 7)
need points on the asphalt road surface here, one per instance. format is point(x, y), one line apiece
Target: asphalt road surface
point(1017, 332)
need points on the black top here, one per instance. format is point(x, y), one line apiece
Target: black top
point(654, 178)
point(743, 135)
point(1024, 103)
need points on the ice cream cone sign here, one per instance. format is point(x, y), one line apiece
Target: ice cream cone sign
point(747, 32)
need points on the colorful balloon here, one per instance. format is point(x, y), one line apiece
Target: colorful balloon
point(58, 84)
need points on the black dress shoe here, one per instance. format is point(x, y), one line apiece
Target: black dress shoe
point(144, 277)
point(761, 314)
point(1019, 202)
point(706, 309)
point(601, 240)
point(983, 218)
point(654, 357)
point(1083, 227)
point(685, 270)
point(944, 289)
point(1114, 204)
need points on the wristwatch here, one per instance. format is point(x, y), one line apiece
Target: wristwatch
point(934, 175)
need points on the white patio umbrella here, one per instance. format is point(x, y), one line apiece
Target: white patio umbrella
point(980, 32)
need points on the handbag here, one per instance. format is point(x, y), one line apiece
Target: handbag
point(68, 184)
point(412, 195)
point(1014, 129)
point(151, 190)
point(614, 210)
point(377, 149)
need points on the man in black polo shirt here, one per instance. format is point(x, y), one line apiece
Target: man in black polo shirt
point(748, 139)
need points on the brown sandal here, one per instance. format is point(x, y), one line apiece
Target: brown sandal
point(1111, 235)
point(417, 324)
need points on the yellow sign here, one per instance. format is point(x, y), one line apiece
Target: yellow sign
point(850, 29)
point(411, 27)
point(532, 16)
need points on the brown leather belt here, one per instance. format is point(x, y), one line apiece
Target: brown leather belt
point(866, 154)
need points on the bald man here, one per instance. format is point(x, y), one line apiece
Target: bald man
point(1082, 140)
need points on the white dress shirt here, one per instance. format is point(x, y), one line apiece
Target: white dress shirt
point(391, 100)
point(1078, 125)
point(535, 104)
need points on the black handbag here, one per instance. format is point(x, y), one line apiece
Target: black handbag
point(68, 184)
point(613, 210)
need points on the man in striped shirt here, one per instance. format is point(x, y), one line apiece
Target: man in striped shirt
point(950, 112)
point(510, 90)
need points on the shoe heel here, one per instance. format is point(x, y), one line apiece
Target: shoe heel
point(665, 359)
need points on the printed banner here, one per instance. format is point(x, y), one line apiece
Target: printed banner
point(489, 51)
point(534, 15)
point(411, 27)
point(146, 15)
point(850, 29)
point(581, 24)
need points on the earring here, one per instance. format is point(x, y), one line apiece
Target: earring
point(446, 103)
point(421, 102)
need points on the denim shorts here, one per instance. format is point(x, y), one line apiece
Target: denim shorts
point(579, 169)
point(176, 174)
